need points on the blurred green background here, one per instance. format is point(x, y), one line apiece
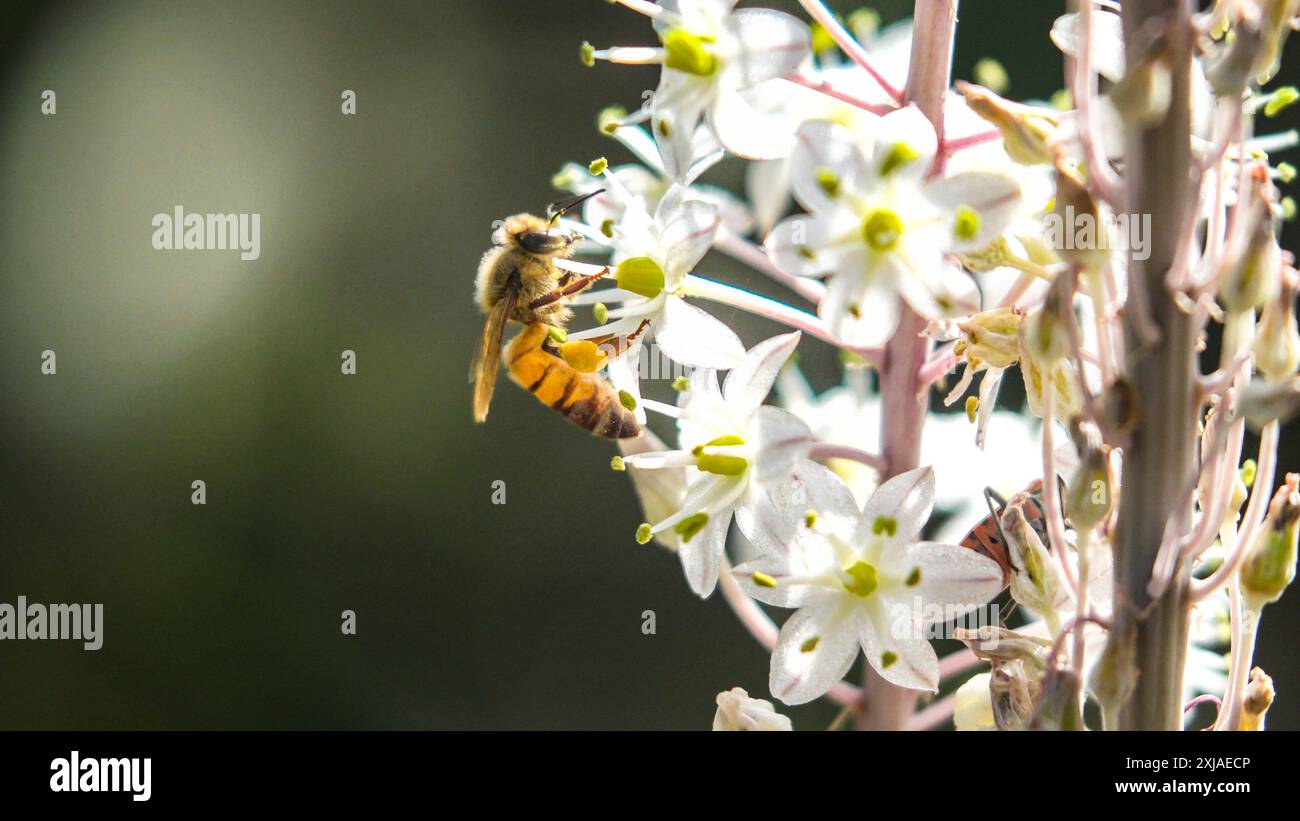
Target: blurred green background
point(328, 492)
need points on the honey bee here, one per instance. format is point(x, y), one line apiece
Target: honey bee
point(518, 280)
point(987, 538)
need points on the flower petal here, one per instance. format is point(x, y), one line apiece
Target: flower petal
point(749, 382)
point(686, 236)
point(815, 649)
point(768, 187)
point(994, 198)
point(1107, 41)
point(906, 146)
point(783, 441)
point(748, 131)
point(907, 498)
point(778, 569)
point(817, 488)
point(953, 576)
point(875, 304)
point(679, 105)
point(702, 555)
point(894, 649)
point(624, 373)
point(810, 246)
point(692, 337)
point(825, 153)
point(771, 44)
point(660, 491)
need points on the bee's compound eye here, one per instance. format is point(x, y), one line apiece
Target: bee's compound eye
point(540, 242)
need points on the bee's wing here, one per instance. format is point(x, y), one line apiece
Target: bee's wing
point(483, 369)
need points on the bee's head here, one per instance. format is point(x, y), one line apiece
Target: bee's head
point(536, 235)
point(533, 235)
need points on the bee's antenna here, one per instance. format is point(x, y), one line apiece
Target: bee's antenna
point(558, 209)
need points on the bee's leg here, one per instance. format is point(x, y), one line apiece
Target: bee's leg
point(574, 287)
point(619, 343)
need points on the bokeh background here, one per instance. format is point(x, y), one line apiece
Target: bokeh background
point(328, 492)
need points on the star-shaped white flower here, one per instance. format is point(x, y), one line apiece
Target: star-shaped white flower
point(735, 449)
point(860, 579)
point(653, 257)
point(880, 227)
point(711, 53)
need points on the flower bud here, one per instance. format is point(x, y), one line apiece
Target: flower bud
point(1269, 565)
point(1142, 95)
point(1254, 276)
point(1259, 697)
point(1276, 25)
point(737, 711)
point(1060, 379)
point(1058, 705)
point(1035, 584)
point(1231, 67)
point(1113, 677)
point(1277, 339)
point(1078, 233)
point(972, 704)
point(1088, 494)
point(1027, 132)
point(1262, 402)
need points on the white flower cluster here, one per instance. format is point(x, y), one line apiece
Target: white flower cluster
point(993, 223)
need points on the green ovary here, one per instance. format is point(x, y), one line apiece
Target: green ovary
point(882, 229)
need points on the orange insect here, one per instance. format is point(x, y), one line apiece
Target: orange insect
point(987, 538)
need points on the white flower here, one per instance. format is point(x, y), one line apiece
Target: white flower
point(880, 228)
point(710, 54)
point(972, 707)
point(654, 255)
point(737, 711)
point(647, 187)
point(860, 580)
point(736, 449)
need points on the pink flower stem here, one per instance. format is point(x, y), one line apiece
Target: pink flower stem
point(904, 397)
point(818, 11)
point(933, 715)
point(823, 87)
point(776, 311)
point(827, 450)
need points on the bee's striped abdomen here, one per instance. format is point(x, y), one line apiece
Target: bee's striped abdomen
point(583, 398)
